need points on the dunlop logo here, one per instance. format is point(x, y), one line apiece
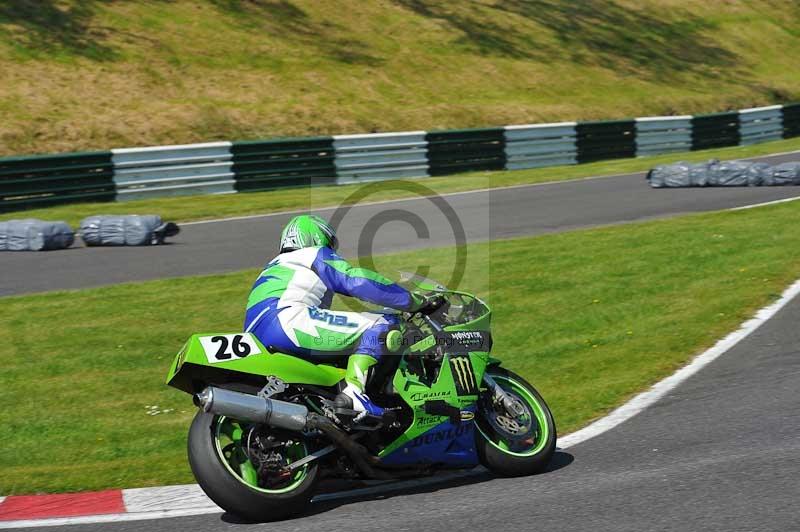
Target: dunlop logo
point(463, 376)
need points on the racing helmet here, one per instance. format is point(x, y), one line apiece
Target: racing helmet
point(307, 231)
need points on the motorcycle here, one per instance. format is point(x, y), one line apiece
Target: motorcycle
point(267, 429)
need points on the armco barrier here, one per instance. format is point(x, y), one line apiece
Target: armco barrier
point(466, 150)
point(41, 181)
point(224, 167)
point(173, 170)
point(663, 134)
point(283, 163)
point(380, 156)
point(760, 124)
point(535, 146)
point(597, 141)
point(791, 120)
point(715, 131)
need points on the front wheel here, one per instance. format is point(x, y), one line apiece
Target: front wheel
point(245, 468)
point(515, 445)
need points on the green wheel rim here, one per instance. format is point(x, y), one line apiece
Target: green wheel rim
point(509, 384)
point(238, 464)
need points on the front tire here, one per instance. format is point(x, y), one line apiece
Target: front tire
point(240, 493)
point(515, 446)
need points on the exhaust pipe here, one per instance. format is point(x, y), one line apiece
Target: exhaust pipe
point(283, 415)
point(236, 405)
point(294, 417)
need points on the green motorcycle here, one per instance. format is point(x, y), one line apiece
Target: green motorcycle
point(267, 430)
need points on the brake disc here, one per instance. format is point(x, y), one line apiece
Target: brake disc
point(515, 427)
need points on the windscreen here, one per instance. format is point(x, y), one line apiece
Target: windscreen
point(418, 281)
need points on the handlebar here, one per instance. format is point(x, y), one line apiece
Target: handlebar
point(433, 324)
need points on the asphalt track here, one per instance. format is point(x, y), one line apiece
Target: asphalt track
point(719, 452)
point(223, 246)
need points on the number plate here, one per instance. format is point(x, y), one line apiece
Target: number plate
point(227, 347)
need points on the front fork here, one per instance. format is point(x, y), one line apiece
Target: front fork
point(499, 397)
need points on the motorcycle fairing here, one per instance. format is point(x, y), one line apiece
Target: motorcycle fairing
point(448, 443)
point(437, 439)
point(196, 365)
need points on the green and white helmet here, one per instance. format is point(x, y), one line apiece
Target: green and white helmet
point(307, 231)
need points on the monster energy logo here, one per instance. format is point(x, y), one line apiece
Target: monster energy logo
point(463, 376)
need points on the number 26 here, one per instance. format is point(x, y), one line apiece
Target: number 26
point(237, 347)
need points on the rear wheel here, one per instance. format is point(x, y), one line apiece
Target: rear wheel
point(515, 445)
point(245, 469)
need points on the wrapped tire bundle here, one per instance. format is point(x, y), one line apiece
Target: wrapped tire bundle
point(729, 174)
point(699, 173)
point(757, 173)
point(724, 174)
point(35, 235)
point(681, 174)
point(127, 230)
point(103, 231)
point(783, 174)
point(670, 176)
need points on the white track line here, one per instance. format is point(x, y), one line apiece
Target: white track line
point(153, 508)
point(774, 202)
point(108, 518)
point(166, 498)
point(445, 195)
point(660, 389)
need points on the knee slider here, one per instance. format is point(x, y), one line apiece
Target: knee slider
point(394, 340)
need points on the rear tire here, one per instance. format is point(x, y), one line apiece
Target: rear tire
point(499, 451)
point(229, 491)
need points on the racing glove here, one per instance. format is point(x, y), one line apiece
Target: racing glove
point(431, 304)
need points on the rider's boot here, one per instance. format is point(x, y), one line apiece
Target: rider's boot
point(353, 397)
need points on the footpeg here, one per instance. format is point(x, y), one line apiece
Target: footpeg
point(362, 420)
point(441, 408)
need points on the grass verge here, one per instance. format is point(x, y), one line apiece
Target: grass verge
point(85, 406)
point(190, 208)
point(90, 74)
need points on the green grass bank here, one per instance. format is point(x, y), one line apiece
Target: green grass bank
point(92, 74)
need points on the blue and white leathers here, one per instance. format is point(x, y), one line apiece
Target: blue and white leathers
point(289, 305)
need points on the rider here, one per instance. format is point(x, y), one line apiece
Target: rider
point(288, 307)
